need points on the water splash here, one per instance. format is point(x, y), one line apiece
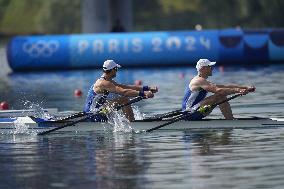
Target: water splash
point(22, 128)
point(38, 110)
point(119, 121)
point(137, 114)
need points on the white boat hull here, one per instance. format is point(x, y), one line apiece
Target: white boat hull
point(29, 112)
point(24, 124)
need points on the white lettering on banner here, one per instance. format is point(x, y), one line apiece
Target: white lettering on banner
point(41, 48)
point(157, 44)
point(205, 42)
point(113, 45)
point(173, 43)
point(125, 45)
point(98, 46)
point(189, 43)
point(137, 45)
point(82, 46)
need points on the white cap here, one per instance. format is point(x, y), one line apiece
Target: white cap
point(203, 62)
point(110, 64)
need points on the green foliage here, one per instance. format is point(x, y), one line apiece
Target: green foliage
point(18, 14)
point(64, 16)
point(40, 16)
point(185, 14)
point(3, 7)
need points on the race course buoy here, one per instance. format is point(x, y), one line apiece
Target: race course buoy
point(4, 105)
point(78, 93)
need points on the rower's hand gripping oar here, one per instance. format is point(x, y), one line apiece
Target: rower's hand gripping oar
point(200, 109)
point(87, 115)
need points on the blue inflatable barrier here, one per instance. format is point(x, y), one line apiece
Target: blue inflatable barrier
point(256, 46)
point(276, 45)
point(230, 46)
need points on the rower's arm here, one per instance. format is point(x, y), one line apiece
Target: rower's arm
point(128, 92)
point(219, 89)
point(133, 87)
point(232, 86)
point(153, 89)
point(242, 89)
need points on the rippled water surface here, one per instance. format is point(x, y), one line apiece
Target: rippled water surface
point(218, 159)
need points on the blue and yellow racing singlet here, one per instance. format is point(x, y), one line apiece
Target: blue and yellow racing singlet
point(192, 98)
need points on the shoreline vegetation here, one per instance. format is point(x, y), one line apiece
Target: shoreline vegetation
point(25, 17)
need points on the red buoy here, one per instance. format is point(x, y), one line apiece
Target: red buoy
point(181, 75)
point(78, 93)
point(222, 69)
point(4, 105)
point(138, 82)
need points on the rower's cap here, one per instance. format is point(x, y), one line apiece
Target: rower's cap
point(110, 64)
point(204, 62)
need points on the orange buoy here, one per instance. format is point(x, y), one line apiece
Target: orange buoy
point(78, 93)
point(4, 105)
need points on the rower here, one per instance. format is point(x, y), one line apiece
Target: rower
point(106, 92)
point(196, 92)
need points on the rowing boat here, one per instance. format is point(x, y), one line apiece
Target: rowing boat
point(170, 121)
point(9, 125)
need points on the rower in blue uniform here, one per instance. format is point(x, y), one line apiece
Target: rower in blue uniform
point(106, 92)
point(196, 93)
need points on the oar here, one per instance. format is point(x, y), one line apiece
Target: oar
point(181, 117)
point(164, 115)
point(67, 118)
point(87, 115)
point(60, 120)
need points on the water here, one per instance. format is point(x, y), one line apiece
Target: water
point(192, 159)
point(236, 158)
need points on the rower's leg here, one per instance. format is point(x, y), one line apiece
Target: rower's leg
point(127, 110)
point(226, 110)
point(224, 107)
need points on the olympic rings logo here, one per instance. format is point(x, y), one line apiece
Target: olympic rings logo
point(41, 48)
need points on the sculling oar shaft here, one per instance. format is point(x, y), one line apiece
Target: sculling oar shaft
point(182, 116)
point(137, 99)
point(164, 115)
point(87, 115)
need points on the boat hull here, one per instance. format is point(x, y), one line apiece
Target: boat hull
point(29, 112)
point(25, 124)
